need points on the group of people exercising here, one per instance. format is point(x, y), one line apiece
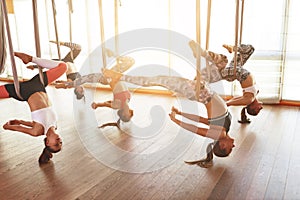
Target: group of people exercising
point(218, 117)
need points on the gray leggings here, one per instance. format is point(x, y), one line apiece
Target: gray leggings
point(244, 52)
point(75, 51)
point(90, 78)
point(215, 75)
point(182, 86)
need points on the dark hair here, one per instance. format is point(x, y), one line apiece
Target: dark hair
point(214, 148)
point(209, 152)
point(218, 151)
point(78, 95)
point(251, 111)
point(47, 153)
point(122, 117)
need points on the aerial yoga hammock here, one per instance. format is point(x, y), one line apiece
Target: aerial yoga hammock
point(37, 37)
point(4, 17)
point(207, 162)
point(2, 43)
point(118, 67)
point(244, 119)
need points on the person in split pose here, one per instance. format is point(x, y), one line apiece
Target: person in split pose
point(219, 69)
point(120, 100)
point(44, 119)
point(121, 94)
point(72, 72)
point(219, 119)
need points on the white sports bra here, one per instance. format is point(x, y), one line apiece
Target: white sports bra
point(46, 117)
point(252, 89)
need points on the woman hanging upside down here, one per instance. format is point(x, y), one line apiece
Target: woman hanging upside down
point(120, 102)
point(219, 119)
point(72, 72)
point(218, 70)
point(120, 92)
point(33, 91)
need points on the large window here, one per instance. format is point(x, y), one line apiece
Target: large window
point(290, 83)
point(269, 25)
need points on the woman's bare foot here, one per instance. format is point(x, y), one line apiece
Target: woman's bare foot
point(112, 74)
point(32, 67)
point(55, 42)
point(228, 47)
point(24, 57)
point(109, 53)
point(220, 60)
point(123, 64)
point(193, 46)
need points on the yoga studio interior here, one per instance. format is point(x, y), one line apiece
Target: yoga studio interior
point(149, 99)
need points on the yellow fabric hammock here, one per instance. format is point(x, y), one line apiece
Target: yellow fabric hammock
point(37, 36)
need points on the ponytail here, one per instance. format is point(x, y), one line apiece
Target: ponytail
point(205, 162)
point(45, 156)
point(244, 118)
point(47, 153)
point(211, 149)
point(209, 152)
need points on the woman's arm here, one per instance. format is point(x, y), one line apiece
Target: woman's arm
point(214, 132)
point(192, 117)
point(189, 127)
point(22, 126)
point(244, 100)
point(27, 123)
point(102, 104)
point(21, 122)
point(64, 84)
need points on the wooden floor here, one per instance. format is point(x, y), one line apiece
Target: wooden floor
point(146, 160)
